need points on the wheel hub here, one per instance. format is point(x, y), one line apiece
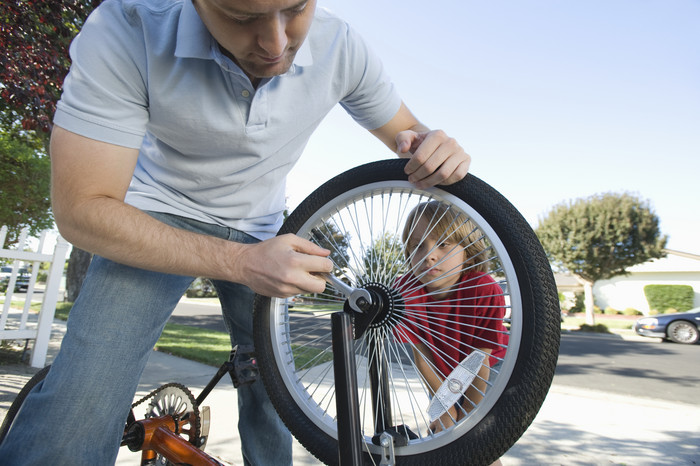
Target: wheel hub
point(387, 304)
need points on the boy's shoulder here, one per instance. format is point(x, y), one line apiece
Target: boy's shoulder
point(479, 277)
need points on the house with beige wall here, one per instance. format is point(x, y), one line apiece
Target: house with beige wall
point(624, 291)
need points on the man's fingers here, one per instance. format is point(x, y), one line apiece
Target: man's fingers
point(451, 171)
point(429, 153)
point(403, 141)
point(402, 147)
point(427, 158)
point(306, 247)
point(408, 142)
point(285, 265)
point(438, 159)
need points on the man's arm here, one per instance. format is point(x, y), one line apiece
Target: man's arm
point(435, 158)
point(89, 183)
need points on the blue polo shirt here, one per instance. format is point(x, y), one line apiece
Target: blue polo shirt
point(147, 74)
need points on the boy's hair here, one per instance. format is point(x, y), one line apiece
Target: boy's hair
point(448, 224)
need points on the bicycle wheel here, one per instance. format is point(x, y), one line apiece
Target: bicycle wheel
point(359, 216)
point(17, 403)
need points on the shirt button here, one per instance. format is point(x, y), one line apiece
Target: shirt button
point(245, 93)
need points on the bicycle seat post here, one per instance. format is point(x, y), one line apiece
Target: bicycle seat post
point(347, 403)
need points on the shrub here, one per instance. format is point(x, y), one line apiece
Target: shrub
point(664, 297)
point(579, 304)
point(610, 311)
point(598, 328)
point(562, 301)
point(630, 311)
point(201, 288)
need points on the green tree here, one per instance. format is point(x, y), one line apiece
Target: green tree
point(24, 188)
point(34, 39)
point(330, 237)
point(600, 237)
point(384, 260)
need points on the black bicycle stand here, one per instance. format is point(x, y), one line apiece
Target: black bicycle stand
point(347, 404)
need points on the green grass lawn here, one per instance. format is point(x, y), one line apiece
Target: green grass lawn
point(213, 348)
point(205, 346)
point(612, 322)
point(201, 345)
point(194, 343)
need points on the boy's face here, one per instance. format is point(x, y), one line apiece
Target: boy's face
point(437, 261)
point(261, 36)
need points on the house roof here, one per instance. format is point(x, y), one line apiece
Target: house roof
point(566, 280)
point(675, 261)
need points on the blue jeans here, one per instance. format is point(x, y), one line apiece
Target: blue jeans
point(76, 416)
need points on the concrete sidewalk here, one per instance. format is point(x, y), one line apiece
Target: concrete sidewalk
point(574, 426)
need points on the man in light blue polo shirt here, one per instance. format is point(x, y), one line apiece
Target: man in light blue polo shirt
point(178, 124)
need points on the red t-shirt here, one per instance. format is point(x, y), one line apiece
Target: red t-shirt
point(470, 317)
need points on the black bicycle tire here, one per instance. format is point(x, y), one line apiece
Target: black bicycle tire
point(536, 360)
point(19, 400)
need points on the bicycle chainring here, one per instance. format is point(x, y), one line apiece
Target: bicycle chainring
point(176, 400)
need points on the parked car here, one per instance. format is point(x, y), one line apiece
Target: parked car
point(292, 301)
point(5, 272)
point(21, 282)
point(680, 327)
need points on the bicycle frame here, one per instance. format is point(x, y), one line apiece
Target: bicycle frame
point(161, 435)
point(158, 435)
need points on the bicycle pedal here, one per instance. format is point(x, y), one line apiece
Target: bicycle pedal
point(245, 365)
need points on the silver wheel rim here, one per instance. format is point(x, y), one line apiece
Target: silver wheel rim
point(367, 213)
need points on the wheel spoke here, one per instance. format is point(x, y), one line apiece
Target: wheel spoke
point(372, 252)
point(365, 227)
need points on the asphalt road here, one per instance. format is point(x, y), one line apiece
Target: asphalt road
point(638, 366)
point(201, 315)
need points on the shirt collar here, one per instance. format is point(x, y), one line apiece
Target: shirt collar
point(195, 41)
point(193, 38)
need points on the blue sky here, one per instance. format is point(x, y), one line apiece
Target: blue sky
point(554, 99)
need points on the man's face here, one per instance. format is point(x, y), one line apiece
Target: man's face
point(261, 36)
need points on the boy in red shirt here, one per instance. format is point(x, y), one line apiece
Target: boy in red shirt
point(453, 306)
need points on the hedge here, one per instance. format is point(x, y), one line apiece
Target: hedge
point(664, 297)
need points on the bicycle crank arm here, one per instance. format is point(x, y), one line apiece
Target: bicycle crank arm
point(360, 300)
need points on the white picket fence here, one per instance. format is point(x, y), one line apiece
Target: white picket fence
point(24, 325)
